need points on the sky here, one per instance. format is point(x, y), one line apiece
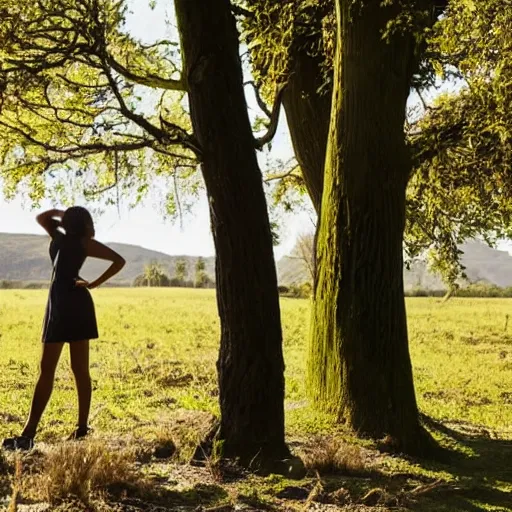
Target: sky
point(145, 225)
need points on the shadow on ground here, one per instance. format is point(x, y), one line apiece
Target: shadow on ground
point(480, 464)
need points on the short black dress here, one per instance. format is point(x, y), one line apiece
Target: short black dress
point(70, 314)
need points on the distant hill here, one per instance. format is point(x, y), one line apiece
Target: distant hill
point(25, 258)
point(483, 264)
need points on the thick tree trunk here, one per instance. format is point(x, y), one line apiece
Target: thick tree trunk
point(250, 365)
point(359, 364)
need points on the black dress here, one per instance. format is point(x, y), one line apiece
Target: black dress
point(70, 314)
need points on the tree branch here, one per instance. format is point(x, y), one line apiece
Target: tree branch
point(172, 134)
point(153, 81)
point(164, 42)
point(274, 119)
point(47, 161)
point(286, 174)
point(79, 149)
point(78, 84)
point(181, 136)
point(259, 99)
point(178, 202)
point(153, 130)
point(163, 151)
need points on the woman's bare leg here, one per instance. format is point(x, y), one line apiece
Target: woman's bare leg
point(79, 351)
point(44, 386)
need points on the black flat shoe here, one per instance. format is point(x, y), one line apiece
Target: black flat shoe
point(79, 433)
point(22, 443)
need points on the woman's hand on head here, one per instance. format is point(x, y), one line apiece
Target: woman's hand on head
point(47, 220)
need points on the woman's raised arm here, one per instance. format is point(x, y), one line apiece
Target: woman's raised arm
point(47, 220)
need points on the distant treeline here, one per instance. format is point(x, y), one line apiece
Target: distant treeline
point(39, 285)
point(475, 290)
point(293, 291)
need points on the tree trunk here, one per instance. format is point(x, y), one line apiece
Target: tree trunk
point(359, 363)
point(250, 364)
point(308, 113)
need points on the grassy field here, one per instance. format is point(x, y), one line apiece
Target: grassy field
point(154, 378)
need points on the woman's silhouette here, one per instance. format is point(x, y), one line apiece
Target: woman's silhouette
point(70, 316)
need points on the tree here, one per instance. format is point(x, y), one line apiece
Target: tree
point(445, 202)
point(200, 267)
point(140, 280)
point(462, 146)
point(181, 270)
point(154, 275)
point(72, 106)
point(304, 250)
point(201, 279)
point(250, 365)
point(292, 43)
point(442, 209)
point(359, 365)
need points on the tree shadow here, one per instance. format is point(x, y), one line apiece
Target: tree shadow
point(160, 498)
point(481, 467)
point(472, 474)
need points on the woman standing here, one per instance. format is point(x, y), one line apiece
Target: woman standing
point(70, 316)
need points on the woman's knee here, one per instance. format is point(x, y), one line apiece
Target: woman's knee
point(47, 370)
point(81, 371)
point(49, 360)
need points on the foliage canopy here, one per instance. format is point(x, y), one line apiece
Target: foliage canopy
point(82, 101)
point(460, 144)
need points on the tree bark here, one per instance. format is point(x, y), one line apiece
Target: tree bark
point(250, 365)
point(359, 364)
point(308, 114)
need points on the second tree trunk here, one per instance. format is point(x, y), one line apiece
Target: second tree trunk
point(359, 364)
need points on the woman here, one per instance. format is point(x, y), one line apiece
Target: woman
point(70, 316)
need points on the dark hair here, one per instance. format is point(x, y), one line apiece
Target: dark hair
point(76, 220)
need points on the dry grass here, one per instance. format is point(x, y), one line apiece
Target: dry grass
point(16, 486)
point(81, 469)
point(4, 466)
point(185, 432)
point(330, 455)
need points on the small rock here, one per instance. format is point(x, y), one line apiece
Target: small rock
point(295, 468)
point(165, 451)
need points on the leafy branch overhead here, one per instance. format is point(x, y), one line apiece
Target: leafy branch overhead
point(463, 145)
point(78, 93)
point(460, 145)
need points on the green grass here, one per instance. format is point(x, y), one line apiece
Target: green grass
point(155, 362)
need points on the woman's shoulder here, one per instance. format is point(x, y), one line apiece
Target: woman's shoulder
point(60, 241)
